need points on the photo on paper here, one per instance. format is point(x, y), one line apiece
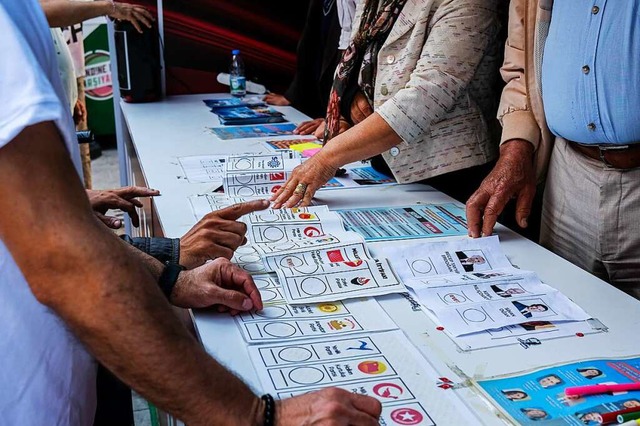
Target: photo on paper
point(535, 414)
point(591, 373)
point(473, 260)
point(549, 381)
point(533, 308)
point(516, 395)
point(507, 290)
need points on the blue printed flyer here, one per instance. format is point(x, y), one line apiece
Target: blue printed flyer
point(405, 222)
point(539, 397)
point(259, 131)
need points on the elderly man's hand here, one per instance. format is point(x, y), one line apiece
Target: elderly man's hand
point(512, 177)
point(218, 234)
point(124, 199)
point(304, 182)
point(219, 283)
point(135, 14)
point(330, 406)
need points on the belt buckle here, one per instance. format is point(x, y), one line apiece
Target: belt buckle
point(602, 150)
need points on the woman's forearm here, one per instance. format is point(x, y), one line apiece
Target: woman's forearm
point(62, 13)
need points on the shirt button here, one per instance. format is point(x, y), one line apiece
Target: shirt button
point(595, 10)
point(383, 90)
point(391, 59)
point(586, 69)
point(394, 151)
point(591, 126)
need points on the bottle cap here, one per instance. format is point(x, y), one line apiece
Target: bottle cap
point(235, 52)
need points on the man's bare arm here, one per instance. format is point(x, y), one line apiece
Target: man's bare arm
point(82, 271)
point(62, 13)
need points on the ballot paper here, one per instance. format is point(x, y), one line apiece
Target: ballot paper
point(203, 204)
point(262, 229)
point(473, 317)
point(382, 365)
point(303, 242)
point(398, 223)
point(279, 321)
point(352, 252)
point(322, 282)
point(203, 168)
point(257, 181)
point(256, 163)
point(422, 259)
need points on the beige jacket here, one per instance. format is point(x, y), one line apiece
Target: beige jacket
point(521, 112)
point(433, 83)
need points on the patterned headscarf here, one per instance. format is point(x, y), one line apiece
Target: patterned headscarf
point(377, 20)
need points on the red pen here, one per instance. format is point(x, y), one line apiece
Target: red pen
point(596, 389)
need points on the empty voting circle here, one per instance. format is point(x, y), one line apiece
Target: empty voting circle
point(249, 258)
point(285, 246)
point(261, 283)
point(295, 354)
point(242, 164)
point(306, 375)
point(268, 217)
point(474, 315)
point(291, 261)
point(454, 298)
point(246, 249)
point(421, 266)
point(253, 267)
point(313, 286)
point(279, 329)
point(306, 269)
point(244, 179)
point(272, 312)
point(268, 295)
point(273, 234)
point(245, 191)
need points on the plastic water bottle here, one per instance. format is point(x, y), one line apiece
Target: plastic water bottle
point(237, 81)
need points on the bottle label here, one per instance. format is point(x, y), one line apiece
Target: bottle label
point(238, 84)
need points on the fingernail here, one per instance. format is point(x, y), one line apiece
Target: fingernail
point(247, 304)
point(523, 222)
point(117, 223)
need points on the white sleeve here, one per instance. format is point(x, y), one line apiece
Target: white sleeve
point(26, 94)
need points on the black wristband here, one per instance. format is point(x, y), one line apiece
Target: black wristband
point(169, 277)
point(269, 410)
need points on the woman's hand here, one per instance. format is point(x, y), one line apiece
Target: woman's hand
point(309, 127)
point(304, 182)
point(276, 99)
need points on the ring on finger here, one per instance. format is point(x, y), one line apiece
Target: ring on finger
point(301, 188)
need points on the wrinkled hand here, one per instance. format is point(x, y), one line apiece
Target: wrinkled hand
point(314, 172)
point(343, 127)
point(512, 177)
point(332, 406)
point(309, 127)
point(79, 112)
point(135, 14)
point(218, 234)
point(276, 99)
point(360, 108)
point(121, 198)
point(217, 283)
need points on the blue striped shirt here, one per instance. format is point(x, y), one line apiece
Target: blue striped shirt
point(591, 71)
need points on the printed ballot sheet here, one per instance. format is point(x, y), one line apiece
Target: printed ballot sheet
point(280, 226)
point(257, 163)
point(399, 223)
point(338, 281)
point(258, 175)
point(279, 321)
point(420, 259)
point(203, 168)
point(203, 204)
point(472, 317)
point(381, 365)
point(353, 252)
point(338, 239)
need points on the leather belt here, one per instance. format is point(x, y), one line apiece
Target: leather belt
point(615, 156)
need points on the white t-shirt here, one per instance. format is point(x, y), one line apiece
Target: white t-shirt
point(46, 375)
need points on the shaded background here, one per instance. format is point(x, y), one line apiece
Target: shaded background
point(200, 34)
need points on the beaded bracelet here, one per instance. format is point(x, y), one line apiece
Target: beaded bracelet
point(269, 409)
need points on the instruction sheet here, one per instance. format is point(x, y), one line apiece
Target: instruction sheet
point(399, 223)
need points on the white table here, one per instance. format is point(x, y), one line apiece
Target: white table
point(158, 133)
